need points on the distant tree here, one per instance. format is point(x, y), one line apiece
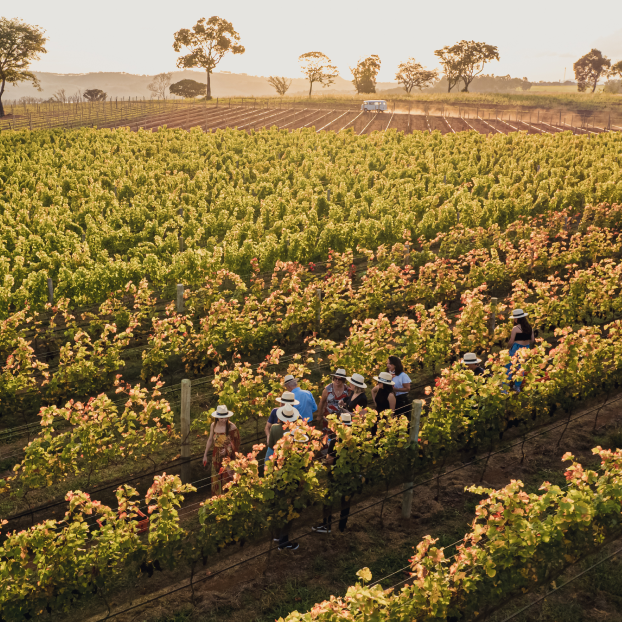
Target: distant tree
point(94, 95)
point(159, 84)
point(317, 67)
point(188, 88)
point(412, 74)
point(75, 98)
point(208, 42)
point(60, 96)
point(20, 44)
point(281, 85)
point(615, 71)
point(365, 73)
point(589, 68)
point(465, 60)
point(450, 60)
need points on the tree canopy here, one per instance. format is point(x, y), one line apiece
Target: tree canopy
point(20, 44)
point(411, 74)
point(281, 84)
point(188, 88)
point(159, 84)
point(365, 73)
point(589, 68)
point(95, 95)
point(465, 60)
point(317, 67)
point(208, 41)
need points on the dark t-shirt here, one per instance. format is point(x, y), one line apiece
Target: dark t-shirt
point(273, 418)
point(350, 404)
point(478, 371)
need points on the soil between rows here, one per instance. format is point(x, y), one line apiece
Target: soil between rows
point(277, 582)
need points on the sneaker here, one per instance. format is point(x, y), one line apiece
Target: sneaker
point(321, 529)
point(276, 539)
point(290, 546)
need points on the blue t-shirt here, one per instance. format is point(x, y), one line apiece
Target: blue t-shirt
point(400, 380)
point(306, 408)
point(307, 405)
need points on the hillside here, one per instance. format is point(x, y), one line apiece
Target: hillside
point(119, 84)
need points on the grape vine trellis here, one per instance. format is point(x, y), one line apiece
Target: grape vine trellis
point(233, 196)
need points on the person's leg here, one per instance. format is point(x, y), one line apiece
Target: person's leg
point(345, 512)
point(284, 534)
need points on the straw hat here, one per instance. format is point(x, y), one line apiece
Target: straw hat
point(384, 377)
point(301, 438)
point(517, 314)
point(288, 378)
point(357, 380)
point(340, 373)
point(470, 359)
point(346, 418)
point(222, 412)
point(287, 413)
point(288, 398)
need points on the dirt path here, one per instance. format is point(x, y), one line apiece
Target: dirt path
point(266, 585)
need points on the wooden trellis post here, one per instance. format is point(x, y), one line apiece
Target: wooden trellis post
point(415, 420)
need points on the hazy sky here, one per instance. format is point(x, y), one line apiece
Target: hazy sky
point(536, 38)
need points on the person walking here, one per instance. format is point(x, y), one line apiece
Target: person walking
point(331, 460)
point(225, 439)
point(286, 398)
point(335, 392)
point(285, 414)
point(383, 394)
point(357, 397)
point(306, 399)
point(522, 336)
point(402, 384)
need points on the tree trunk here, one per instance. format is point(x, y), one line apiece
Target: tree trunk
point(310, 87)
point(2, 93)
point(595, 82)
point(208, 94)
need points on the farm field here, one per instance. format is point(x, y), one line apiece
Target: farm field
point(446, 121)
point(132, 259)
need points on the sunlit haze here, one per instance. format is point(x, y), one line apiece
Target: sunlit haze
point(536, 39)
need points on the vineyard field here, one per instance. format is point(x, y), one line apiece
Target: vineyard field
point(94, 209)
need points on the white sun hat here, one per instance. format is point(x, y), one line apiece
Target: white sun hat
point(346, 418)
point(340, 373)
point(288, 398)
point(222, 412)
point(302, 438)
point(357, 380)
point(288, 378)
point(384, 377)
point(287, 413)
point(470, 359)
point(517, 314)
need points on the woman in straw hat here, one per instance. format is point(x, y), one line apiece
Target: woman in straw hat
point(357, 397)
point(285, 414)
point(334, 393)
point(382, 393)
point(225, 438)
point(522, 336)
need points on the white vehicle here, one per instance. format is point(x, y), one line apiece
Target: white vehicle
point(374, 104)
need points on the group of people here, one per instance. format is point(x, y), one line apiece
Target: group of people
point(343, 396)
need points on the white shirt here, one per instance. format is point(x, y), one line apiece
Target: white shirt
point(399, 383)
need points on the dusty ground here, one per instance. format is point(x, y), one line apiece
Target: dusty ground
point(266, 586)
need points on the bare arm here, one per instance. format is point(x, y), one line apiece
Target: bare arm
point(374, 392)
point(406, 386)
point(392, 401)
point(208, 445)
point(267, 431)
point(322, 406)
point(513, 335)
